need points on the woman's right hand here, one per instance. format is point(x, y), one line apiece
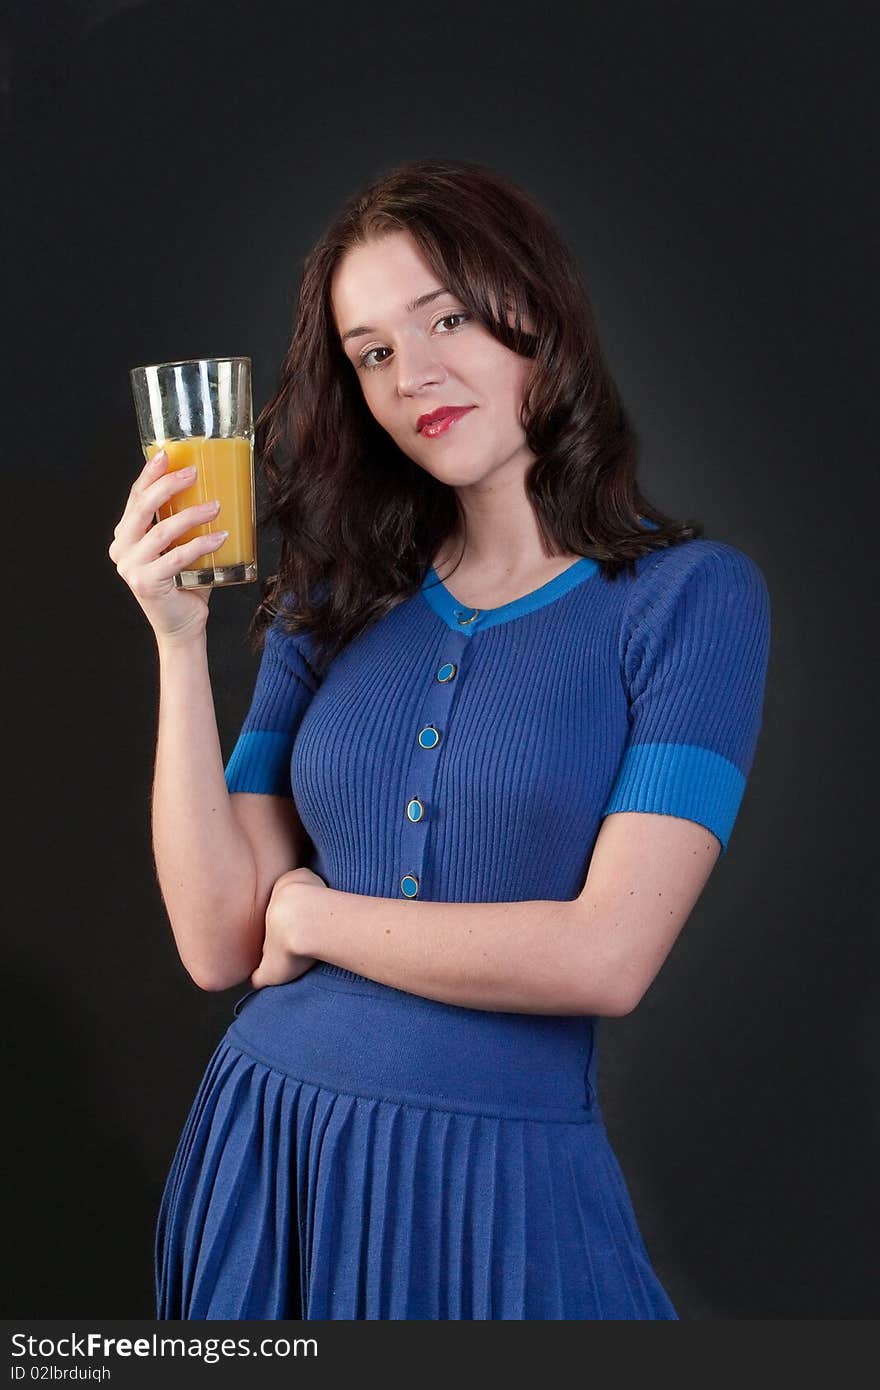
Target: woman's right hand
point(175, 615)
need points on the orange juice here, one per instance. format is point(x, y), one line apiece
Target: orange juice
point(225, 471)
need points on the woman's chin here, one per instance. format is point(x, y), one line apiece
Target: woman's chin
point(455, 472)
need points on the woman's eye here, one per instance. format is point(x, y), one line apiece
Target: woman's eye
point(447, 318)
point(369, 366)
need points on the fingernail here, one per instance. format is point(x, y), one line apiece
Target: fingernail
point(159, 457)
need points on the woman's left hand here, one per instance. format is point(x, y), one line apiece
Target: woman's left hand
point(292, 897)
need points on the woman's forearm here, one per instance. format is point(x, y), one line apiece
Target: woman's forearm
point(204, 860)
point(518, 957)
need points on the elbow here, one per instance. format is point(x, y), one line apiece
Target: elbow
point(217, 960)
point(614, 1005)
point(622, 997)
point(211, 983)
point(619, 1006)
point(214, 979)
point(613, 1002)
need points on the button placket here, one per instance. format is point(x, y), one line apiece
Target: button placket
point(426, 748)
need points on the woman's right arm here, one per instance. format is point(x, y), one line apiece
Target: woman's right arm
point(211, 875)
point(204, 859)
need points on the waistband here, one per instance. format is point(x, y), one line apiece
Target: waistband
point(334, 1029)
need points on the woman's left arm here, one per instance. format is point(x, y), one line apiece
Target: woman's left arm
point(594, 954)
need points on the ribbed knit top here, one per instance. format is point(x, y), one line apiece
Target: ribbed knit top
point(470, 755)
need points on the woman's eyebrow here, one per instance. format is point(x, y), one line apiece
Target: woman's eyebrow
point(423, 299)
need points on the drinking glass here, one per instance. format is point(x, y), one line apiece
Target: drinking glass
point(200, 412)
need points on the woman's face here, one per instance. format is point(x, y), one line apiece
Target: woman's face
point(411, 363)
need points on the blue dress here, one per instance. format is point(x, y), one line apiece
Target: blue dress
point(358, 1151)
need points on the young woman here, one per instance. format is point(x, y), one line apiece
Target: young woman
point(500, 733)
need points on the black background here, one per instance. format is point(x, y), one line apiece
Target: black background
point(170, 166)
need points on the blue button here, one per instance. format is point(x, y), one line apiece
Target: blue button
point(429, 737)
point(466, 616)
point(447, 671)
point(415, 810)
point(409, 885)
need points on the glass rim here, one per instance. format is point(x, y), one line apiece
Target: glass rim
point(186, 362)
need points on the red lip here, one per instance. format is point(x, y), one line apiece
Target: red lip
point(441, 414)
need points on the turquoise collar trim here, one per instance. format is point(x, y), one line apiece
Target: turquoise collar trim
point(470, 620)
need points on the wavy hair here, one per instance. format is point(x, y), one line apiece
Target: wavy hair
point(360, 521)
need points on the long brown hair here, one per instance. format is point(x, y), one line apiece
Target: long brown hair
point(361, 522)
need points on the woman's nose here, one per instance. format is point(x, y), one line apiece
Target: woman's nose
point(416, 366)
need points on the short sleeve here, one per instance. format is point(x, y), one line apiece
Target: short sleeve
point(260, 760)
point(694, 663)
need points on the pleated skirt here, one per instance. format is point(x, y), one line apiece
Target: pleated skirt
point(355, 1151)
